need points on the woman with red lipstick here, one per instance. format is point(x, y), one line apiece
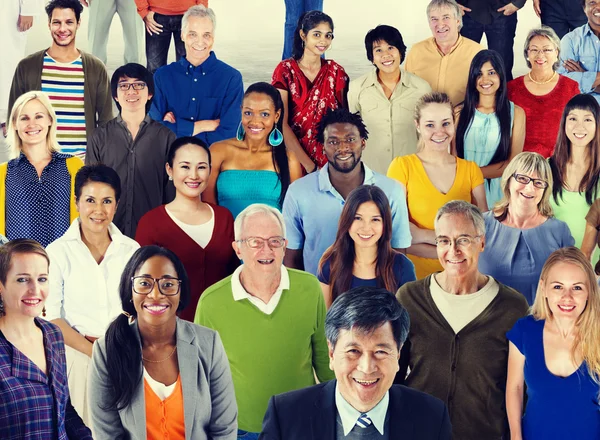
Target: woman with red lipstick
point(362, 254)
point(34, 395)
point(555, 352)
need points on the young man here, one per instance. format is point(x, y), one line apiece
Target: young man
point(76, 82)
point(135, 146)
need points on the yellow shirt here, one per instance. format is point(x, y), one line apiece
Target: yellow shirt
point(390, 121)
point(444, 73)
point(423, 199)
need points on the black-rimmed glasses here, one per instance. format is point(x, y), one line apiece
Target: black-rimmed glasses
point(167, 286)
point(523, 179)
point(136, 86)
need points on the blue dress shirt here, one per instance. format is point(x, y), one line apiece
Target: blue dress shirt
point(582, 45)
point(212, 90)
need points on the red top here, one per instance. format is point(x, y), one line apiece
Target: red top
point(204, 266)
point(543, 113)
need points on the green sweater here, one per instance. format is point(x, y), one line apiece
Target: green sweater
point(269, 354)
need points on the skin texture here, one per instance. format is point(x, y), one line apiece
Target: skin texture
point(33, 123)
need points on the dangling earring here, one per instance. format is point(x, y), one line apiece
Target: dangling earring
point(44, 312)
point(275, 138)
point(240, 132)
point(1, 307)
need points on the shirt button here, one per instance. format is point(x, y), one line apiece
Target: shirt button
point(203, 73)
point(193, 99)
point(192, 118)
point(195, 79)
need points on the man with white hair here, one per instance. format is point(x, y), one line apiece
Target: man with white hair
point(198, 95)
point(271, 319)
point(444, 59)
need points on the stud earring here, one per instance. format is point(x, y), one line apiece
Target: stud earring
point(170, 177)
point(240, 132)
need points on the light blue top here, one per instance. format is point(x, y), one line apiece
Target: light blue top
point(481, 141)
point(312, 209)
point(237, 189)
point(581, 45)
point(515, 257)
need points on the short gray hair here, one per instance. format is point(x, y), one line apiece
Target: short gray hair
point(546, 32)
point(254, 209)
point(198, 11)
point(466, 209)
point(438, 4)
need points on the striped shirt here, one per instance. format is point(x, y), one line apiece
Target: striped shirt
point(63, 82)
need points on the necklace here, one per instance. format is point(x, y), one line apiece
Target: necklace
point(162, 360)
point(541, 83)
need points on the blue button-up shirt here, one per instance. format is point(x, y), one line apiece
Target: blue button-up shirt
point(312, 209)
point(212, 90)
point(582, 45)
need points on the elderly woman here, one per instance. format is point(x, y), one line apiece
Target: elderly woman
point(34, 395)
point(457, 349)
point(432, 177)
point(554, 351)
point(37, 186)
point(85, 267)
point(521, 232)
point(385, 98)
point(542, 93)
point(174, 379)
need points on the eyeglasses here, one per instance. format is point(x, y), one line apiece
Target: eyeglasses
point(463, 242)
point(523, 179)
point(167, 286)
point(337, 142)
point(546, 52)
point(258, 242)
point(136, 86)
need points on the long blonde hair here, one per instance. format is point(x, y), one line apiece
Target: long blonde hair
point(588, 324)
point(13, 139)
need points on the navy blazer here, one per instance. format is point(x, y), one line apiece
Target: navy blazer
point(310, 414)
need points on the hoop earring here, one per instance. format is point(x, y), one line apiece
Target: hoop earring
point(275, 137)
point(240, 132)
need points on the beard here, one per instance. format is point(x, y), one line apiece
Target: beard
point(346, 166)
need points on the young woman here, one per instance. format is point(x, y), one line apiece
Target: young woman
point(490, 129)
point(255, 167)
point(34, 394)
point(555, 352)
point(362, 254)
point(199, 233)
point(174, 379)
point(309, 86)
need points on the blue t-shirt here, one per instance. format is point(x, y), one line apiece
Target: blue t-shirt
point(558, 408)
point(404, 271)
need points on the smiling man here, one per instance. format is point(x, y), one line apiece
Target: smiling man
point(365, 330)
point(198, 95)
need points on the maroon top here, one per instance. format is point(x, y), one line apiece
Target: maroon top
point(204, 266)
point(543, 113)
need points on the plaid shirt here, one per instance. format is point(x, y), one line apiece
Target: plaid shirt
point(33, 405)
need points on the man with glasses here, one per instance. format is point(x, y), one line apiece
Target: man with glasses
point(135, 146)
point(271, 319)
point(457, 348)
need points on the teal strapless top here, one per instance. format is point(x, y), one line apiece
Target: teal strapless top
point(237, 189)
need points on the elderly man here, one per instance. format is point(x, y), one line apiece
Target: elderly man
point(365, 330)
point(444, 59)
point(457, 348)
point(271, 319)
point(580, 51)
point(198, 95)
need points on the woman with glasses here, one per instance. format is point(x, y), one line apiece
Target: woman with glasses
point(199, 233)
point(521, 231)
point(154, 375)
point(542, 93)
point(362, 254)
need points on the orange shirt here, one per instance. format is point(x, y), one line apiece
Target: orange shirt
point(166, 7)
point(164, 418)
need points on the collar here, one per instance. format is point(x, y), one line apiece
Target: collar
point(350, 415)
point(55, 155)
point(240, 293)
point(325, 183)
point(122, 122)
point(372, 79)
point(458, 43)
point(207, 65)
point(587, 31)
point(74, 232)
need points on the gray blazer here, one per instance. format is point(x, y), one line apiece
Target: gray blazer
point(210, 409)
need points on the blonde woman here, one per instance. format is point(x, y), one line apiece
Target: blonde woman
point(37, 186)
point(521, 231)
point(555, 352)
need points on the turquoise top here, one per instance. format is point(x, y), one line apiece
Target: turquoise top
point(480, 144)
point(237, 189)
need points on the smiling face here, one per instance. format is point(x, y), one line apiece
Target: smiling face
point(436, 126)
point(63, 27)
point(444, 25)
point(566, 290)
point(580, 127)
point(386, 57)
point(365, 365)
point(259, 116)
point(460, 258)
point(26, 286)
point(592, 12)
point(132, 100)
point(343, 146)
point(367, 227)
point(488, 81)
point(525, 196)
point(318, 39)
point(542, 53)
point(96, 206)
point(190, 170)
point(199, 37)
point(33, 123)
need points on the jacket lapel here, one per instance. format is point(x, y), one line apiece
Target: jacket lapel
point(187, 355)
point(324, 415)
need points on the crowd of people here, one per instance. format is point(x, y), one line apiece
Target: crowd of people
point(410, 254)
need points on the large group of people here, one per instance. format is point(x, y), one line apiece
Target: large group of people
point(410, 254)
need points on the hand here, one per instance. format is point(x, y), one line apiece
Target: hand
point(151, 25)
point(169, 117)
point(463, 9)
point(206, 125)
point(537, 8)
point(24, 23)
point(85, 2)
point(573, 66)
point(509, 9)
